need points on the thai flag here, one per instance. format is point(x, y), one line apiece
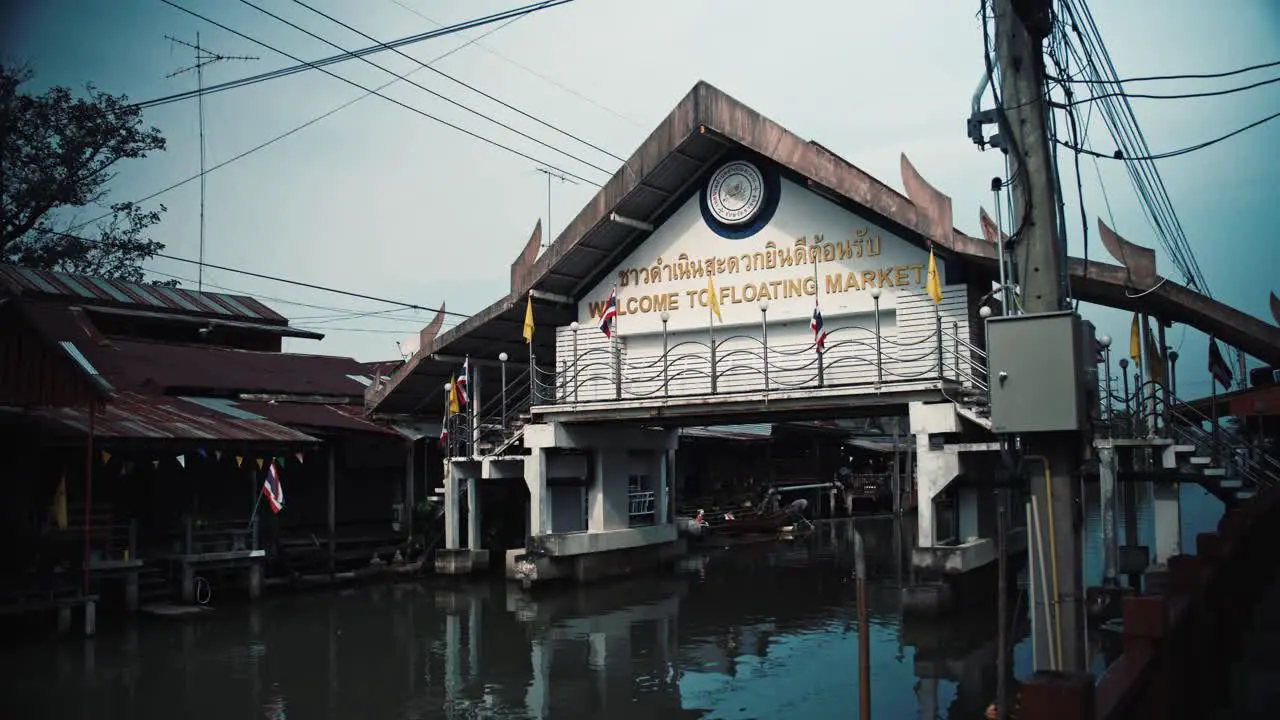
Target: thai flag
point(610, 314)
point(815, 324)
point(272, 488)
point(462, 383)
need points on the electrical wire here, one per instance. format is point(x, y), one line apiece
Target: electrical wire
point(304, 65)
point(1119, 155)
point(427, 115)
point(1005, 127)
point(1190, 76)
point(303, 126)
point(1181, 96)
point(441, 73)
point(426, 89)
point(535, 73)
point(276, 278)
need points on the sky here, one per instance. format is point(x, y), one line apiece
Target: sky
point(379, 200)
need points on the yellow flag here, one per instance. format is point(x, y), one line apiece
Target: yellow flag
point(454, 406)
point(932, 284)
point(59, 508)
point(259, 463)
point(239, 460)
point(1155, 358)
point(106, 457)
point(528, 320)
point(713, 298)
point(1135, 341)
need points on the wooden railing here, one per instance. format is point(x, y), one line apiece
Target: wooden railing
point(1177, 646)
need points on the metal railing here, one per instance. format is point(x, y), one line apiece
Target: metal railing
point(640, 506)
point(1150, 411)
point(852, 356)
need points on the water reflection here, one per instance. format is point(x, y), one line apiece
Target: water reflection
point(750, 631)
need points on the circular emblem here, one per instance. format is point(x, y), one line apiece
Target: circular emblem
point(736, 193)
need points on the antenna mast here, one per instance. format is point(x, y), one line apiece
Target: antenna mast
point(203, 56)
point(546, 236)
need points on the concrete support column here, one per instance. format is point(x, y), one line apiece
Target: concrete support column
point(967, 501)
point(935, 469)
point(607, 491)
point(1107, 507)
point(535, 477)
point(452, 508)
point(661, 516)
point(473, 514)
point(1167, 509)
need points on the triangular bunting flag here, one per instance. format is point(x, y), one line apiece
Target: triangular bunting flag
point(182, 460)
point(217, 455)
point(239, 460)
point(106, 457)
point(299, 456)
point(280, 460)
point(155, 464)
point(201, 452)
point(259, 463)
point(128, 466)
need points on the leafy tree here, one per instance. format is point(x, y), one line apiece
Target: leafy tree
point(57, 153)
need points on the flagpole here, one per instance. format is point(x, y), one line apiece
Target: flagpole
point(817, 293)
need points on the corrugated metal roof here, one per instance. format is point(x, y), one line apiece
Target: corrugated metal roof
point(313, 415)
point(755, 432)
point(130, 416)
point(95, 290)
point(156, 367)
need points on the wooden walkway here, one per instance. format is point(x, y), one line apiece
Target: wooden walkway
point(1254, 689)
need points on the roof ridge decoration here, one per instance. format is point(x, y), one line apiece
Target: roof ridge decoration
point(1275, 308)
point(522, 268)
point(432, 329)
point(1138, 261)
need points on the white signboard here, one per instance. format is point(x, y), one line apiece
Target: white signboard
point(811, 250)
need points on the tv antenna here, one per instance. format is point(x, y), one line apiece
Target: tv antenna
point(551, 174)
point(203, 56)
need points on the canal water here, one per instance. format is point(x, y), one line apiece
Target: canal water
point(761, 630)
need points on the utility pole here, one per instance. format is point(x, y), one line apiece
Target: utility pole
point(203, 56)
point(547, 237)
point(1052, 458)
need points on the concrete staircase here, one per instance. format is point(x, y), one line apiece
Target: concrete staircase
point(1223, 464)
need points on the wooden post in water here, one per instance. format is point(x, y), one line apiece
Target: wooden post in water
point(864, 635)
point(1002, 605)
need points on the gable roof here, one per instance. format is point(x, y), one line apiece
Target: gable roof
point(705, 126)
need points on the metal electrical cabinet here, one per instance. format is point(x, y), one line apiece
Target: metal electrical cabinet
point(1037, 372)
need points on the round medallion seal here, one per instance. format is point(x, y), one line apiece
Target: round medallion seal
point(735, 194)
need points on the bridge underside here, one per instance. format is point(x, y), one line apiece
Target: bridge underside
point(749, 407)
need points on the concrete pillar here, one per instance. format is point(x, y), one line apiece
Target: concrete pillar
point(1167, 509)
point(967, 507)
point(473, 514)
point(661, 515)
point(535, 477)
point(188, 584)
point(452, 508)
point(64, 620)
point(90, 618)
point(607, 491)
point(131, 592)
point(255, 580)
point(1107, 508)
point(935, 469)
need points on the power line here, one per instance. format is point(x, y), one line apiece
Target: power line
point(304, 66)
point(441, 73)
point(1119, 155)
point(426, 89)
point(1204, 76)
point(1179, 96)
point(532, 72)
point(303, 126)
point(427, 115)
point(275, 278)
